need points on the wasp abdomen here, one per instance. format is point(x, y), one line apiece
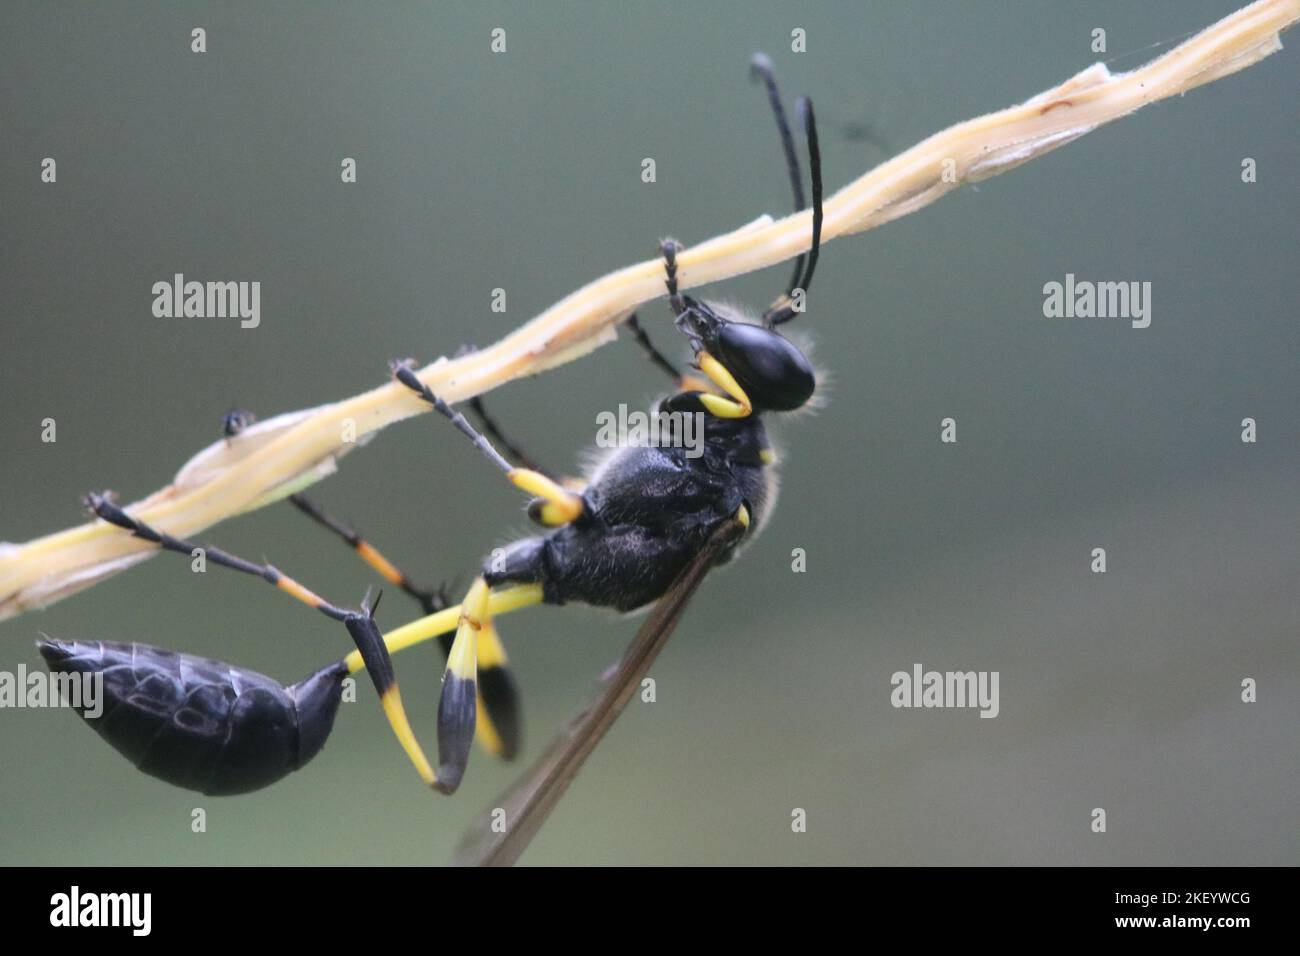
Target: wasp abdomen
point(198, 723)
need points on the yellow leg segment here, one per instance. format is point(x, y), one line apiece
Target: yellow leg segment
point(462, 662)
point(458, 707)
point(445, 621)
point(560, 506)
point(492, 663)
point(387, 570)
point(396, 714)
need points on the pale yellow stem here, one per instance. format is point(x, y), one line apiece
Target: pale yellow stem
point(272, 461)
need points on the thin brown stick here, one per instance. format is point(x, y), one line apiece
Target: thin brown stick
point(529, 801)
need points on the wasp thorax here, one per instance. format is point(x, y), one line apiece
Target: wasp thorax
point(774, 374)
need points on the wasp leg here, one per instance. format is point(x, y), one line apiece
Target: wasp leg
point(683, 307)
point(234, 422)
point(554, 505)
point(520, 458)
point(104, 508)
point(682, 381)
point(652, 353)
point(458, 706)
point(430, 601)
point(500, 601)
point(490, 427)
point(379, 663)
point(457, 710)
point(669, 248)
point(499, 730)
point(499, 710)
point(738, 404)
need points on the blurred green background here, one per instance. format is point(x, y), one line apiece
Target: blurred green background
point(523, 171)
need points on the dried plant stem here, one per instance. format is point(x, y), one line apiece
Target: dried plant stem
point(273, 459)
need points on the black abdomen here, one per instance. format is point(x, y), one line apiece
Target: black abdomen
point(198, 723)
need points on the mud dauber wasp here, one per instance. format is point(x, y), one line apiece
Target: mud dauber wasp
point(645, 528)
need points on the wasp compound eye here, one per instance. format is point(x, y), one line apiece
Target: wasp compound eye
point(198, 723)
point(774, 374)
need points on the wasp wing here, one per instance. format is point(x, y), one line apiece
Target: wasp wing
point(529, 801)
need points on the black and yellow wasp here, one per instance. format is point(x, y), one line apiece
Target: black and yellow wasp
point(645, 527)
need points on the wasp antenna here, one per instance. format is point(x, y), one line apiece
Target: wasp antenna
point(804, 107)
point(760, 67)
